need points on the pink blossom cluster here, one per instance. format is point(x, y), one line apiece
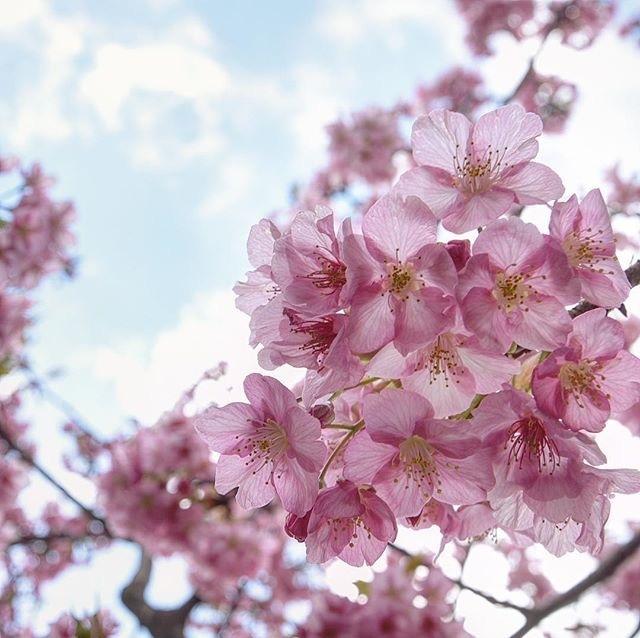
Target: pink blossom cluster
point(155, 490)
point(445, 383)
point(458, 90)
point(624, 197)
point(486, 17)
point(101, 625)
point(35, 237)
point(551, 97)
point(34, 241)
point(363, 146)
point(401, 601)
point(579, 21)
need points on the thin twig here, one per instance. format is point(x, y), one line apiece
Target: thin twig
point(27, 458)
point(605, 570)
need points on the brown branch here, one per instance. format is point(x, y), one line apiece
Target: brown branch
point(488, 597)
point(29, 460)
point(161, 623)
point(28, 539)
point(492, 599)
point(235, 603)
point(605, 570)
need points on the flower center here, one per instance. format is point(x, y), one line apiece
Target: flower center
point(442, 359)
point(511, 290)
point(417, 457)
point(584, 249)
point(528, 438)
point(401, 279)
point(580, 378)
point(331, 274)
point(266, 445)
point(320, 332)
point(476, 173)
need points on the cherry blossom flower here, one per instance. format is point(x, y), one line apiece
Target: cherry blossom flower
point(591, 378)
point(351, 522)
point(269, 446)
point(410, 457)
point(448, 372)
point(545, 475)
point(404, 281)
point(259, 287)
point(584, 231)
point(515, 288)
point(470, 174)
point(308, 266)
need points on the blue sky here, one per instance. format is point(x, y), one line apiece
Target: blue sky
point(175, 125)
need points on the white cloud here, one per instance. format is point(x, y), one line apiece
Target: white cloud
point(350, 23)
point(163, 69)
point(149, 378)
point(38, 110)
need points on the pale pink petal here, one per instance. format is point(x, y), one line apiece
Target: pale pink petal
point(439, 137)
point(447, 395)
point(478, 210)
point(371, 322)
point(222, 428)
point(436, 267)
point(364, 457)
point(421, 318)
point(608, 289)
point(622, 381)
point(509, 242)
point(434, 189)
point(296, 488)
point(510, 132)
point(533, 183)
point(396, 229)
point(489, 369)
point(262, 238)
point(390, 416)
point(598, 335)
point(253, 479)
point(269, 396)
point(483, 316)
point(545, 325)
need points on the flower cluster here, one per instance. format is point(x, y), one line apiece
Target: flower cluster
point(446, 383)
point(155, 490)
point(551, 97)
point(395, 607)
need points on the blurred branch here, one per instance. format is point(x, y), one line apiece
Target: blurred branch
point(161, 623)
point(29, 460)
point(488, 597)
point(235, 603)
point(605, 570)
point(27, 539)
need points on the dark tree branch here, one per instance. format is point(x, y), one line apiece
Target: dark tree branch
point(161, 623)
point(636, 631)
point(491, 599)
point(29, 460)
point(605, 570)
point(235, 603)
point(488, 597)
